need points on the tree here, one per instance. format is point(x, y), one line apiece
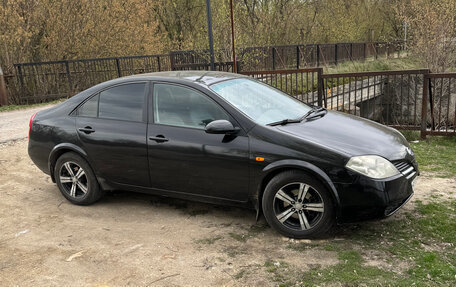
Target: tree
point(433, 32)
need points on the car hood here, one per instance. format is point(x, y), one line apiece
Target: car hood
point(351, 135)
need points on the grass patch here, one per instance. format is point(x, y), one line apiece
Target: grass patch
point(302, 246)
point(280, 272)
point(253, 231)
point(20, 107)
point(437, 155)
point(234, 251)
point(424, 240)
point(240, 274)
point(208, 241)
point(411, 135)
point(408, 63)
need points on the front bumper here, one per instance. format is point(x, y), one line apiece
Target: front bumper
point(366, 199)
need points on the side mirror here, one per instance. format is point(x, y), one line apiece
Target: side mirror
point(221, 127)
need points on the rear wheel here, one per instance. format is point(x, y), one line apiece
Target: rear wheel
point(76, 180)
point(297, 205)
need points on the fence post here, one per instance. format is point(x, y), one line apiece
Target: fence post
point(431, 103)
point(21, 77)
point(119, 73)
point(273, 58)
point(238, 67)
point(158, 63)
point(298, 57)
point(318, 55)
point(70, 84)
point(171, 60)
point(351, 51)
point(364, 51)
point(3, 93)
point(335, 54)
point(424, 101)
point(320, 86)
point(374, 45)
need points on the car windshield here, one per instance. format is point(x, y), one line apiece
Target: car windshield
point(260, 102)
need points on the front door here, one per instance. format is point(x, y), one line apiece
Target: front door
point(112, 127)
point(183, 157)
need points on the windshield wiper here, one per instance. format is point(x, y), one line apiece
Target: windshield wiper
point(315, 112)
point(284, 122)
point(318, 112)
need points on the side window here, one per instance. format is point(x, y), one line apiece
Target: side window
point(179, 106)
point(89, 108)
point(123, 102)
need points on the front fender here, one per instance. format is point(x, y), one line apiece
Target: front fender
point(288, 164)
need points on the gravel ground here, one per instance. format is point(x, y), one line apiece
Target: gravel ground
point(14, 125)
point(137, 239)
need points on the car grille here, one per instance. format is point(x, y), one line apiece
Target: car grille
point(405, 168)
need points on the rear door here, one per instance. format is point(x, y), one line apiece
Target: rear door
point(112, 127)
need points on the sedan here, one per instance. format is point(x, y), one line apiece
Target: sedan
point(227, 139)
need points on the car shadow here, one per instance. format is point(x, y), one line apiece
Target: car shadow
point(187, 207)
point(237, 216)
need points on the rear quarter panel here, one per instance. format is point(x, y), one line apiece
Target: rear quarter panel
point(48, 131)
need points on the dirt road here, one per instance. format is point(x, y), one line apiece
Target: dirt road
point(135, 239)
point(14, 124)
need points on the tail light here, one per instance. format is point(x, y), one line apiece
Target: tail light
point(30, 124)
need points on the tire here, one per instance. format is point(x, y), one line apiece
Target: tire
point(76, 180)
point(310, 216)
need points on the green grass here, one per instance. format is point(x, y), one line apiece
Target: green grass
point(424, 242)
point(436, 155)
point(408, 63)
point(20, 107)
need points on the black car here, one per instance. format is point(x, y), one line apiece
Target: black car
point(227, 139)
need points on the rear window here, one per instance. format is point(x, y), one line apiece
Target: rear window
point(89, 108)
point(123, 102)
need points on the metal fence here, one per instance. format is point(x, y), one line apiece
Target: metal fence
point(40, 82)
point(409, 99)
point(46, 81)
point(303, 84)
point(294, 56)
point(442, 103)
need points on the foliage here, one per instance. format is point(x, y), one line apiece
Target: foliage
point(55, 30)
point(433, 26)
point(43, 30)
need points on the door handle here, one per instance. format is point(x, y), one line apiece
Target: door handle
point(159, 139)
point(87, 130)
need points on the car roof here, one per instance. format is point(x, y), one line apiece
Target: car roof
point(199, 77)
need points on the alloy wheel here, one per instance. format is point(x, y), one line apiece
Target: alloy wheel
point(298, 206)
point(73, 179)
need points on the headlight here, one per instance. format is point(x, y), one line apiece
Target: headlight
point(372, 166)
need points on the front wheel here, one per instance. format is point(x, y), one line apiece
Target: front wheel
point(76, 180)
point(298, 206)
